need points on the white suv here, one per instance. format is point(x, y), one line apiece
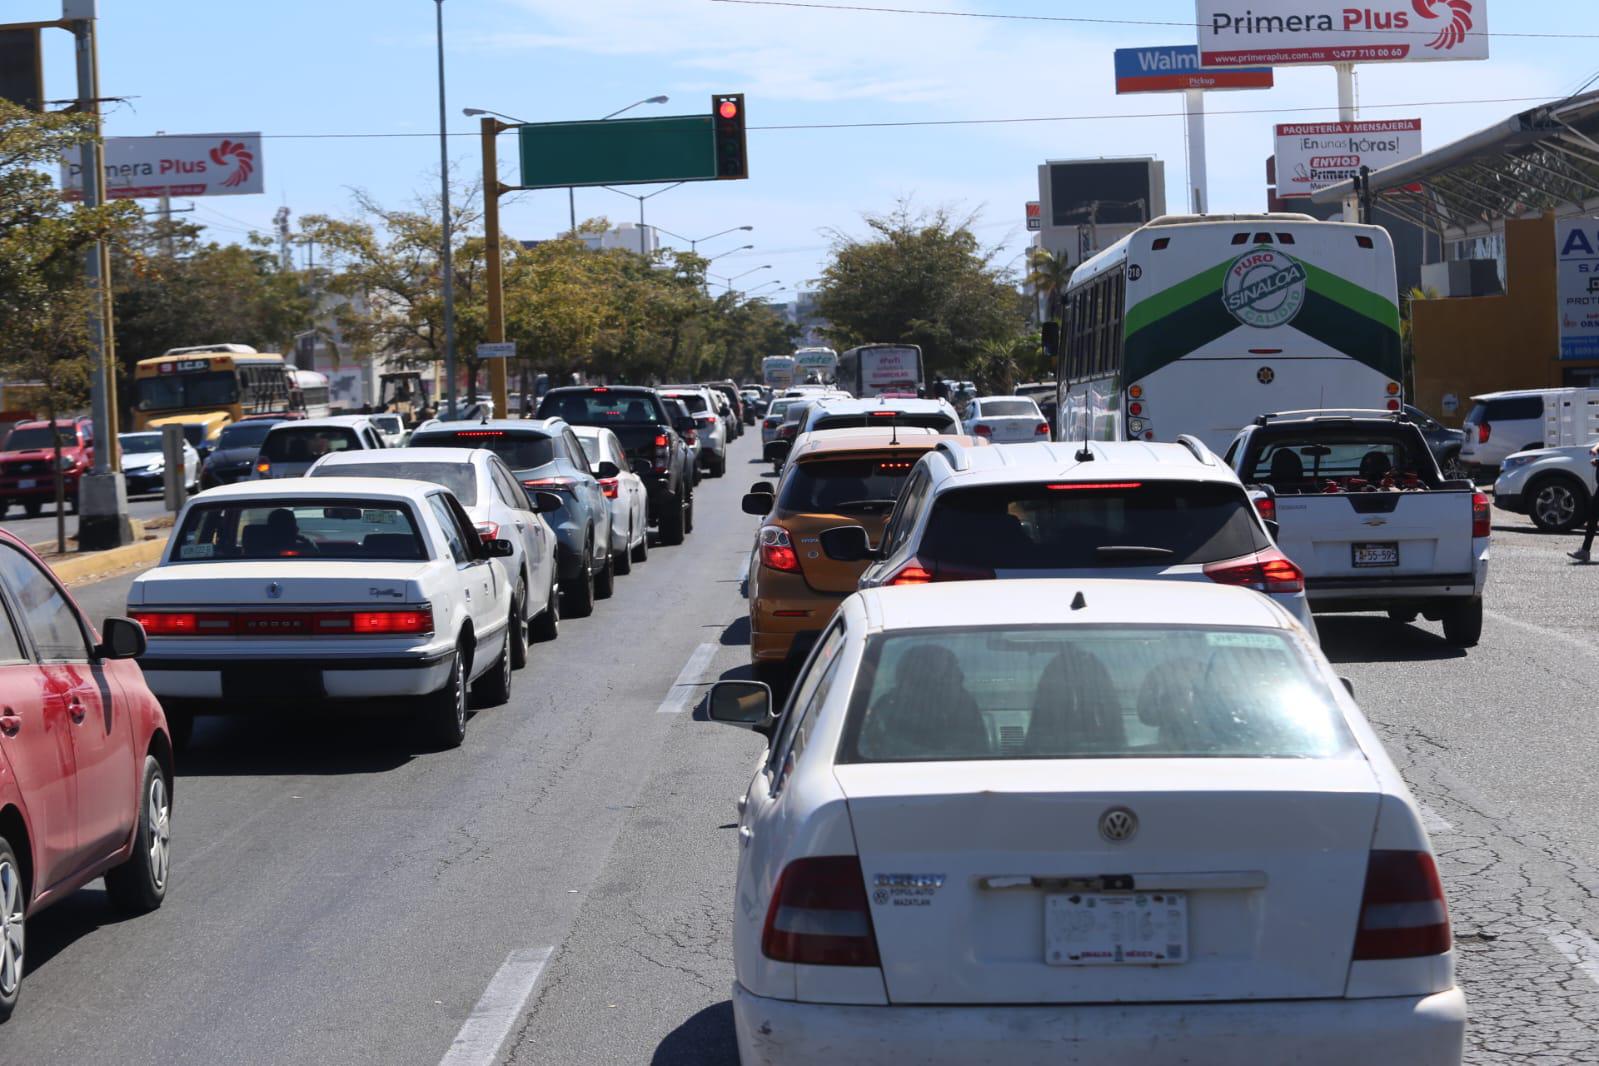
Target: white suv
point(1125, 509)
point(712, 432)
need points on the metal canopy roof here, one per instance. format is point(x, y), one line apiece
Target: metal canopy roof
point(1543, 159)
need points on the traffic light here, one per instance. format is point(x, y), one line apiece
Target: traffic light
point(732, 160)
point(21, 70)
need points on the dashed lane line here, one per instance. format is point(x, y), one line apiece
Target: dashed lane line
point(497, 1010)
point(681, 695)
point(1580, 949)
point(1432, 821)
point(1544, 631)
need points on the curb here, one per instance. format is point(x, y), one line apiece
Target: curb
point(86, 568)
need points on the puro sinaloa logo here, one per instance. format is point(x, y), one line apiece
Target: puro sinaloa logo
point(1265, 288)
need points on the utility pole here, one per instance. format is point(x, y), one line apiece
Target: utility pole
point(494, 262)
point(448, 256)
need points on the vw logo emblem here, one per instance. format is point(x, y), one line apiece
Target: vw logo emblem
point(1118, 825)
point(274, 591)
point(1265, 375)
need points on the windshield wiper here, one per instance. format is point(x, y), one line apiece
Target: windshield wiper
point(1110, 553)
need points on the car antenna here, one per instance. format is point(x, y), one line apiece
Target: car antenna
point(1084, 455)
point(1079, 602)
point(893, 425)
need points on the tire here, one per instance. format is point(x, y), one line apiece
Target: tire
point(1403, 617)
point(718, 465)
point(605, 581)
point(624, 559)
point(580, 599)
point(139, 885)
point(1556, 504)
point(32, 508)
point(673, 518)
point(688, 517)
point(493, 689)
point(13, 928)
point(1463, 623)
point(443, 714)
point(642, 552)
point(72, 505)
point(547, 626)
point(518, 637)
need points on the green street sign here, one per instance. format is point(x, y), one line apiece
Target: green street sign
point(629, 151)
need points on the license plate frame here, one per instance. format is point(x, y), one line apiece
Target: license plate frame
point(28, 483)
point(1116, 929)
point(1369, 555)
point(271, 683)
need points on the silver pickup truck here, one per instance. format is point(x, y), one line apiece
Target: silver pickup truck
point(1361, 507)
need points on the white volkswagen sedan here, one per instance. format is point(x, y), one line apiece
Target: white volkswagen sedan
point(1080, 821)
point(276, 594)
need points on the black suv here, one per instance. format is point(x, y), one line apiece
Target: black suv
point(653, 439)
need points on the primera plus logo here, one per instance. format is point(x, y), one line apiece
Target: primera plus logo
point(1265, 288)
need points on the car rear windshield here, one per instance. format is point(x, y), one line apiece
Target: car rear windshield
point(1008, 409)
point(938, 423)
point(1089, 692)
point(1306, 463)
point(35, 437)
point(139, 443)
point(245, 434)
point(307, 444)
point(459, 478)
point(692, 400)
point(1508, 409)
point(845, 486)
point(521, 450)
point(601, 408)
point(1089, 525)
point(388, 423)
point(298, 529)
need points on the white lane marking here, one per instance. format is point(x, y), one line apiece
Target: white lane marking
point(1580, 949)
point(743, 569)
point(1433, 822)
point(685, 688)
point(1552, 634)
point(497, 1010)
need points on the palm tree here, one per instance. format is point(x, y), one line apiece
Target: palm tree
point(1047, 275)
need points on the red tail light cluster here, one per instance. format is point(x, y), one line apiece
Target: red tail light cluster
point(551, 483)
point(777, 550)
point(981, 430)
point(1267, 571)
point(819, 915)
point(1402, 913)
point(1484, 431)
point(920, 572)
point(1266, 507)
point(1482, 523)
point(1041, 430)
point(394, 621)
point(488, 531)
point(610, 486)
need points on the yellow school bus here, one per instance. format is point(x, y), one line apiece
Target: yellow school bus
point(212, 386)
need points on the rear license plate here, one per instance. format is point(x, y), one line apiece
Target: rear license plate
point(1116, 928)
point(277, 683)
point(1375, 554)
point(27, 483)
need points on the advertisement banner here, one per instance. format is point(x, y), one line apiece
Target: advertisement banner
point(1577, 286)
point(1176, 68)
point(188, 164)
point(1312, 156)
point(1287, 32)
point(1035, 215)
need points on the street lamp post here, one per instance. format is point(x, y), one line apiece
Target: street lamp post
point(694, 244)
point(729, 281)
point(449, 257)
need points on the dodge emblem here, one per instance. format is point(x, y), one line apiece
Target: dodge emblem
point(274, 591)
point(1118, 825)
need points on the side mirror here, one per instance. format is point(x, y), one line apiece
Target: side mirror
point(764, 486)
point(1349, 686)
point(759, 504)
point(846, 544)
point(778, 450)
point(607, 470)
point(121, 638)
point(546, 502)
point(498, 549)
point(746, 704)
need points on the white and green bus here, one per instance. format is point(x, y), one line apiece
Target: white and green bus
point(1199, 324)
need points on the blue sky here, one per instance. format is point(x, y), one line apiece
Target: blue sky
point(298, 67)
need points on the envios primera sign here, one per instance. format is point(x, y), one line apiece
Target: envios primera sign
point(1233, 33)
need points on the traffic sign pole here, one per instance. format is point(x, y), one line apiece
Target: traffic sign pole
point(494, 263)
point(1198, 174)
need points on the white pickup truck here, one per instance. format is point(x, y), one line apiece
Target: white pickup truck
point(1362, 508)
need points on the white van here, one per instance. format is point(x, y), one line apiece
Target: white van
point(1503, 423)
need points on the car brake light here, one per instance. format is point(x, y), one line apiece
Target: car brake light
point(488, 531)
point(1091, 486)
point(407, 621)
point(777, 550)
point(610, 486)
point(692, 436)
point(1041, 430)
point(916, 573)
point(263, 466)
point(550, 482)
point(1484, 431)
point(1267, 571)
point(707, 420)
point(982, 431)
point(480, 433)
point(600, 388)
point(1266, 507)
point(1402, 912)
point(819, 915)
point(661, 441)
point(166, 623)
point(1482, 524)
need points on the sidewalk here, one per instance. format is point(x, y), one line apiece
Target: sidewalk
point(83, 568)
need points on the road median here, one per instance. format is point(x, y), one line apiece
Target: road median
point(84, 568)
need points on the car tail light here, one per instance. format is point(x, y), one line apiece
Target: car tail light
point(1402, 913)
point(982, 430)
point(1482, 524)
point(1267, 571)
point(488, 531)
point(406, 621)
point(692, 436)
point(1484, 431)
point(819, 915)
point(402, 620)
point(707, 421)
point(551, 483)
point(1135, 409)
point(1393, 405)
point(1266, 507)
point(610, 486)
point(1094, 486)
point(167, 623)
point(790, 429)
point(480, 433)
point(263, 466)
point(663, 453)
point(917, 572)
point(1041, 430)
point(777, 550)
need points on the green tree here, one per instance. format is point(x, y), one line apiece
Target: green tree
point(1048, 274)
point(921, 278)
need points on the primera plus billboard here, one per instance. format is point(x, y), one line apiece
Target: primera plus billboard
point(1285, 32)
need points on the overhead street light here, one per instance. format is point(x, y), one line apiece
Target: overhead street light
point(640, 199)
point(730, 251)
point(637, 103)
point(694, 243)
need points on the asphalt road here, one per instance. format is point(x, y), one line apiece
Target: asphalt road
point(42, 530)
point(561, 886)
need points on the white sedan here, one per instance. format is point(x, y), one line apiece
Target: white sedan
point(275, 594)
point(1095, 821)
point(630, 501)
point(1006, 420)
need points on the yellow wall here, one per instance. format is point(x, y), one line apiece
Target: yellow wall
point(1480, 344)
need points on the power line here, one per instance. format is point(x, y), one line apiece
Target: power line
point(1087, 20)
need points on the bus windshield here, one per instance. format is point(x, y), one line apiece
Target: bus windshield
point(170, 392)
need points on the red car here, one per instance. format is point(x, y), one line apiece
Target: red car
point(27, 463)
point(85, 760)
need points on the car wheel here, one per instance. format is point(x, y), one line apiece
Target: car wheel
point(1403, 617)
point(547, 626)
point(642, 552)
point(718, 465)
point(72, 505)
point(140, 884)
point(1463, 623)
point(518, 638)
point(13, 928)
point(1557, 504)
point(493, 689)
point(32, 508)
point(673, 518)
point(443, 716)
point(605, 581)
point(688, 517)
point(580, 600)
point(624, 558)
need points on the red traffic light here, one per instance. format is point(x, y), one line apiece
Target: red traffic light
point(728, 109)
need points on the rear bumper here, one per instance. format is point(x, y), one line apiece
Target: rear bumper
point(1375, 594)
point(785, 615)
point(1510, 501)
point(1416, 1031)
point(342, 678)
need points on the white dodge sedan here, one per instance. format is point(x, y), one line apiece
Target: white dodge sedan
point(275, 594)
point(1080, 821)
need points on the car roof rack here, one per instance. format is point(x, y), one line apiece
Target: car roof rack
point(1337, 413)
point(1197, 446)
point(956, 453)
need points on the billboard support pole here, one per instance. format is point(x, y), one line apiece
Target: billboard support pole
point(1198, 179)
point(1347, 112)
point(494, 263)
